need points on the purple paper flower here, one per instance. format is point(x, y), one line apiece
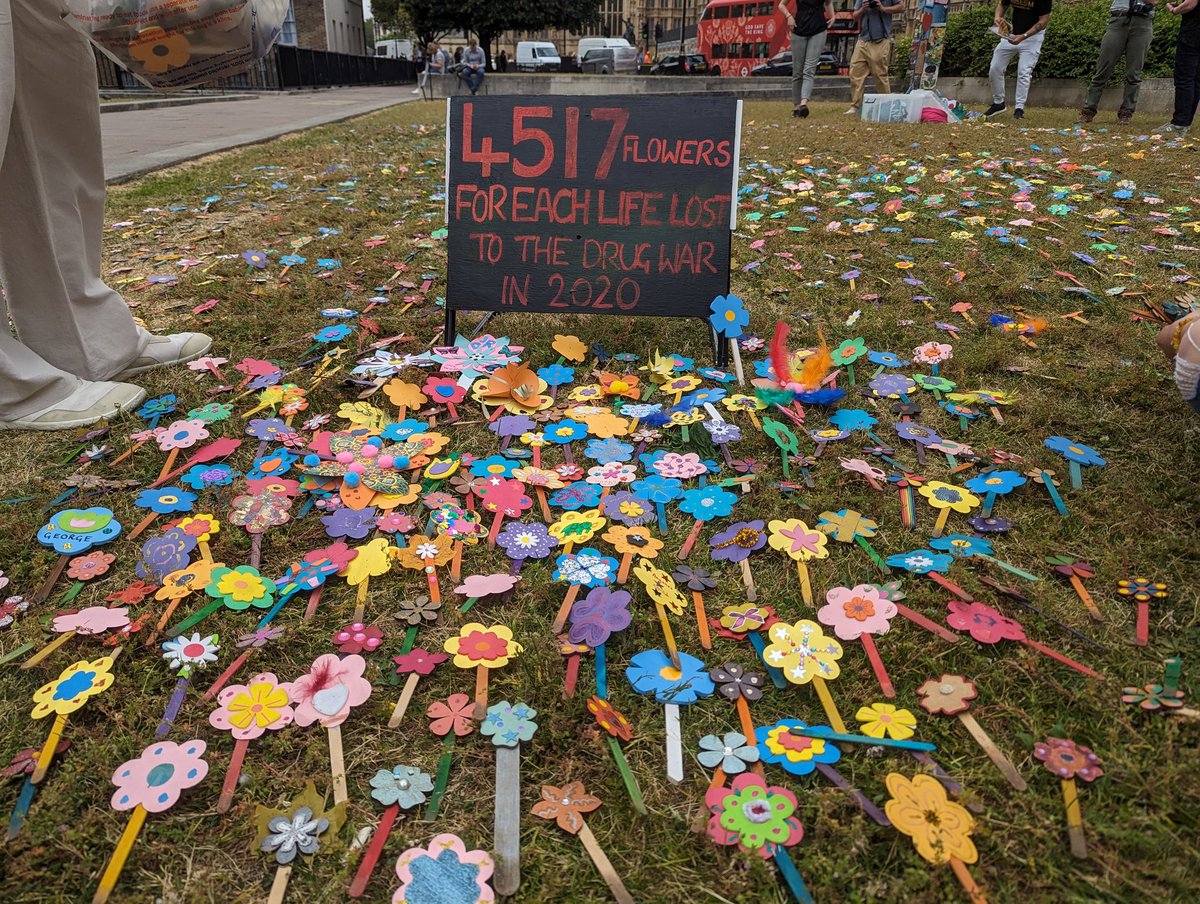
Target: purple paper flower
point(989, 525)
point(526, 541)
point(723, 431)
point(346, 522)
point(916, 433)
point(597, 615)
point(892, 385)
point(513, 425)
point(162, 555)
point(267, 428)
point(627, 508)
point(737, 541)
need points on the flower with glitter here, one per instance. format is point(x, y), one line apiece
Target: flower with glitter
point(797, 753)
point(608, 451)
point(11, 608)
point(598, 615)
point(1068, 760)
point(802, 652)
point(737, 541)
point(401, 786)
point(757, 817)
point(984, 623)
point(291, 834)
point(652, 672)
point(586, 568)
point(508, 724)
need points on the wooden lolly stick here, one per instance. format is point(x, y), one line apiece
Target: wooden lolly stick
point(668, 635)
point(279, 885)
point(674, 744)
point(17, 651)
point(456, 561)
point(1007, 769)
point(870, 551)
point(406, 695)
point(604, 866)
point(314, 599)
point(224, 677)
point(815, 732)
point(443, 776)
point(859, 798)
point(1065, 660)
point(360, 601)
point(168, 464)
point(195, 618)
point(24, 800)
point(255, 550)
point(1074, 819)
point(791, 875)
point(760, 646)
point(481, 692)
point(743, 711)
point(1142, 633)
point(124, 455)
point(173, 705)
point(748, 580)
point(162, 621)
point(141, 526)
point(949, 585)
point(623, 570)
point(113, 872)
point(47, 754)
point(805, 582)
point(928, 624)
point(737, 362)
point(947, 780)
point(564, 611)
point(507, 824)
point(974, 892)
point(1085, 597)
point(47, 650)
point(693, 535)
point(831, 712)
point(51, 579)
point(374, 849)
point(601, 665)
point(718, 778)
point(881, 675)
point(337, 765)
point(205, 551)
point(435, 589)
point(701, 619)
point(572, 676)
point(229, 786)
point(627, 776)
point(943, 516)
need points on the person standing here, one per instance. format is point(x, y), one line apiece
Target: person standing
point(873, 52)
point(476, 62)
point(1024, 41)
point(1130, 28)
point(502, 61)
point(808, 24)
point(1187, 69)
point(78, 345)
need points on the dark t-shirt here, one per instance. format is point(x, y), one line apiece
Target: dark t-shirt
point(1026, 13)
point(810, 18)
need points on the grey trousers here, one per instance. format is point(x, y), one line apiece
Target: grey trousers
point(806, 52)
point(1128, 35)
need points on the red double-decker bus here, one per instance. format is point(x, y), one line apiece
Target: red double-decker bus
point(737, 35)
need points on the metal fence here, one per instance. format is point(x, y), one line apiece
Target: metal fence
point(283, 68)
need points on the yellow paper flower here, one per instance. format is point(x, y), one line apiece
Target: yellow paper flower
point(570, 347)
point(660, 586)
point(211, 523)
point(423, 552)
point(939, 828)
point(781, 742)
point(946, 495)
point(241, 586)
point(880, 720)
point(605, 424)
point(71, 689)
point(634, 541)
point(577, 527)
point(180, 584)
point(262, 703)
point(798, 540)
point(373, 559)
point(477, 645)
point(802, 652)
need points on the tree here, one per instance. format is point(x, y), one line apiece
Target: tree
point(429, 20)
point(488, 19)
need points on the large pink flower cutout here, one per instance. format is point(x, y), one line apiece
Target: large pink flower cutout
point(858, 466)
point(852, 612)
point(247, 710)
point(680, 466)
point(427, 881)
point(985, 624)
point(478, 586)
point(156, 778)
point(181, 435)
point(330, 689)
point(93, 620)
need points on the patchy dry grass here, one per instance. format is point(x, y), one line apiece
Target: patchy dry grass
point(1102, 383)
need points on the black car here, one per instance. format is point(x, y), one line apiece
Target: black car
point(685, 64)
point(598, 62)
point(781, 64)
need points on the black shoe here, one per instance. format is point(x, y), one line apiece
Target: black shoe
point(796, 113)
point(804, 111)
point(1018, 113)
point(995, 109)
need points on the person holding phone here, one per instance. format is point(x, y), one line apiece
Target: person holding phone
point(808, 25)
point(1024, 41)
point(873, 52)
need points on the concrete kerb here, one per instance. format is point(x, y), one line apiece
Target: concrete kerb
point(124, 106)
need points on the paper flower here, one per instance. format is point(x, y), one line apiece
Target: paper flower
point(240, 588)
point(417, 610)
point(75, 531)
point(290, 835)
point(944, 495)
point(73, 687)
point(597, 615)
point(802, 652)
point(526, 541)
point(1066, 759)
point(165, 500)
point(948, 695)
point(609, 719)
point(680, 467)
point(755, 816)
point(418, 661)
point(633, 541)
point(731, 752)
point(566, 805)
point(707, 503)
point(998, 482)
point(186, 652)
point(426, 873)
point(88, 567)
point(984, 623)
point(402, 786)
point(358, 638)
point(734, 682)
point(248, 710)
point(854, 612)
point(1076, 452)
point(181, 435)
point(477, 645)
point(330, 688)
point(92, 620)
point(797, 753)
point(737, 541)
point(508, 724)
point(961, 546)
point(159, 775)
point(921, 561)
point(939, 828)
point(455, 714)
point(586, 568)
point(798, 540)
point(884, 720)
point(652, 671)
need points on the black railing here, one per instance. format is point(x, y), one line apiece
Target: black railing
point(285, 67)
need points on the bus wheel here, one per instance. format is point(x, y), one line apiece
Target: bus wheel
point(716, 70)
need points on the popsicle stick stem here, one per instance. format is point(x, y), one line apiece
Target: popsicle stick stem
point(229, 786)
point(1076, 473)
point(940, 524)
point(908, 509)
point(279, 885)
point(494, 531)
point(205, 551)
point(668, 634)
point(701, 619)
point(56, 571)
point(371, 856)
point(481, 692)
point(674, 744)
point(974, 892)
point(224, 677)
point(814, 732)
point(928, 624)
point(173, 707)
point(360, 600)
point(627, 776)
point(17, 651)
point(601, 673)
point(1007, 769)
point(168, 464)
point(456, 561)
point(47, 650)
point(314, 600)
point(881, 675)
point(195, 618)
point(443, 776)
point(113, 872)
point(604, 866)
point(564, 611)
point(760, 646)
point(337, 765)
point(718, 778)
point(47, 754)
point(791, 876)
point(1142, 634)
point(743, 711)
point(693, 535)
point(507, 822)
point(947, 780)
point(1065, 660)
point(737, 362)
point(24, 800)
point(255, 550)
point(1085, 597)
point(1074, 819)
point(623, 570)
point(870, 551)
point(950, 586)
point(435, 589)
point(861, 799)
point(572, 676)
point(805, 582)
point(1012, 569)
point(831, 712)
point(748, 580)
point(1055, 496)
point(661, 508)
point(406, 695)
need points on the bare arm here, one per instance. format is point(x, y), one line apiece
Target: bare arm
point(999, 17)
point(1180, 8)
point(829, 16)
point(1039, 25)
point(787, 13)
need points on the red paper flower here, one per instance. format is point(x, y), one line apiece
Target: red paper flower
point(985, 624)
point(358, 638)
point(1066, 759)
point(133, 594)
point(420, 661)
point(91, 566)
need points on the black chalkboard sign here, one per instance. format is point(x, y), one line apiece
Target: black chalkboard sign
point(590, 205)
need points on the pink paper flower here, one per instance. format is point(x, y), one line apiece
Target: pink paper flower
point(330, 689)
point(156, 778)
point(247, 710)
point(985, 624)
point(182, 435)
point(680, 466)
point(854, 612)
point(481, 585)
point(858, 466)
point(425, 873)
point(933, 352)
point(93, 620)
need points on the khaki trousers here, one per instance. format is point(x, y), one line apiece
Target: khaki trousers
point(869, 57)
point(69, 322)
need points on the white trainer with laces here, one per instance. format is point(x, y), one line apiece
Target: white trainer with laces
point(89, 403)
point(163, 351)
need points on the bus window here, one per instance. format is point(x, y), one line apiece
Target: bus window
point(707, 15)
point(718, 51)
point(762, 50)
point(721, 12)
point(747, 49)
point(735, 51)
point(736, 11)
point(766, 9)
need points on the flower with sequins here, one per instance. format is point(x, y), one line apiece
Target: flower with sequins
point(733, 682)
point(526, 541)
point(757, 817)
point(508, 724)
point(737, 541)
point(1068, 760)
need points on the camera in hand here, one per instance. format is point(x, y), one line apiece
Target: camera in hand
point(1140, 8)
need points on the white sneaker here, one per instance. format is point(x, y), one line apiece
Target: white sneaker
point(850, 111)
point(1169, 128)
point(163, 351)
point(416, 90)
point(89, 403)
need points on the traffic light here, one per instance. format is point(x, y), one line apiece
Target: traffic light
point(657, 32)
point(645, 29)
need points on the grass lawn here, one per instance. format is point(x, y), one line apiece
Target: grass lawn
point(1115, 215)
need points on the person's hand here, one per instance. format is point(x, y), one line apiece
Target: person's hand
point(999, 22)
point(1016, 39)
point(791, 20)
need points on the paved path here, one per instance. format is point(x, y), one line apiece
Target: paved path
point(140, 141)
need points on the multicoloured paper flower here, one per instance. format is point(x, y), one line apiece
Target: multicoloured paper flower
point(159, 775)
point(797, 753)
point(755, 816)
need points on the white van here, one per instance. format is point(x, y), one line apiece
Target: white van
point(625, 55)
point(537, 56)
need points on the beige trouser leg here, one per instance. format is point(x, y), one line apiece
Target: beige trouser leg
point(873, 58)
point(52, 216)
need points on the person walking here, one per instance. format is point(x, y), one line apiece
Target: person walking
point(1130, 28)
point(873, 52)
point(76, 344)
point(808, 24)
point(1187, 70)
point(1024, 41)
point(475, 61)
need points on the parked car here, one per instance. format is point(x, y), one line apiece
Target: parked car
point(600, 61)
point(687, 64)
point(537, 56)
point(781, 65)
point(624, 54)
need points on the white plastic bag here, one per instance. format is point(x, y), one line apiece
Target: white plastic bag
point(172, 44)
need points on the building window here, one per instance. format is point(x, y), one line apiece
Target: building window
point(288, 34)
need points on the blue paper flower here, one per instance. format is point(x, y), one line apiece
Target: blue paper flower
point(998, 482)
point(401, 430)
point(717, 376)
point(328, 263)
point(764, 369)
point(494, 466)
point(293, 260)
point(651, 672)
point(680, 363)
point(707, 503)
point(729, 316)
point(335, 333)
point(796, 753)
point(565, 431)
point(852, 419)
point(885, 359)
point(75, 531)
point(165, 500)
point(402, 786)
point(587, 568)
point(280, 463)
point(961, 546)
point(1076, 452)
point(348, 522)
point(556, 374)
point(201, 477)
point(608, 451)
point(921, 561)
point(508, 724)
point(700, 396)
point(577, 495)
point(659, 490)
